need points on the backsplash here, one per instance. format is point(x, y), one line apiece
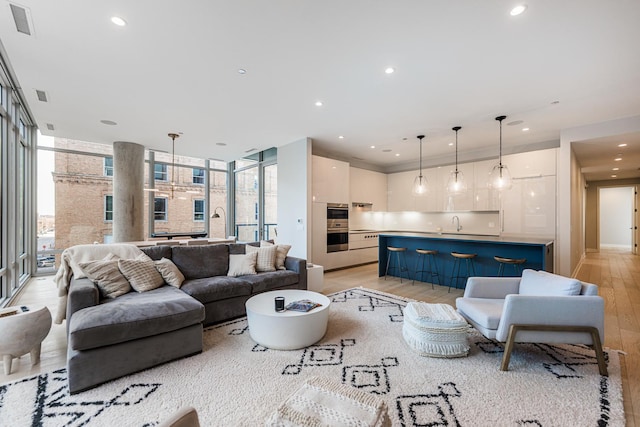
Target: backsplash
point(476, 222)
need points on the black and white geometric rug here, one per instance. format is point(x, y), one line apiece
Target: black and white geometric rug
point(236, 382)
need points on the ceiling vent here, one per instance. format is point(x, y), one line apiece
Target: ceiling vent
point(250, 150)
point(51, 126)
point(42, 95)
point(21, 19)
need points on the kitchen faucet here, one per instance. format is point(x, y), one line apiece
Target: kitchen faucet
point(457, 221)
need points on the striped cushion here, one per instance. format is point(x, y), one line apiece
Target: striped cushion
point(107, 277)
point(266, 257)
point(281, 253)
point(142, 275)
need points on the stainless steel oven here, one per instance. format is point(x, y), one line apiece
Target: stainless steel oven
point(337, 227)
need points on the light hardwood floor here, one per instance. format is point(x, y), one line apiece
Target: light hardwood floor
point(617, 273)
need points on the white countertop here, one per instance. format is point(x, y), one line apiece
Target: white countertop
point(469, 237)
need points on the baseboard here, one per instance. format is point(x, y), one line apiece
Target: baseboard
point(574, 274)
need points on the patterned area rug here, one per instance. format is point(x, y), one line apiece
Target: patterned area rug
point(235, 382)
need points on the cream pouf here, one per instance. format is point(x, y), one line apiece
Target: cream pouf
point(322, 402)
point(22, 332)
point(435, 330)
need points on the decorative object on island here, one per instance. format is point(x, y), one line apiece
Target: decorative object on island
point(500, 177)
point(173, 137)
point(456, 184)
point(420, 183)
point(217, 215)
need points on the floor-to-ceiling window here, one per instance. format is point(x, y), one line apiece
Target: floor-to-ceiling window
point(17, 137)
point(255, 202)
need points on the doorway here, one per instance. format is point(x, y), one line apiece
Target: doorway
point(616, 224)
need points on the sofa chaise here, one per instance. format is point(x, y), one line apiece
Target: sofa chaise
point(112, 337)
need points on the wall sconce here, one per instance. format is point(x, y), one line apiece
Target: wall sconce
point(217, 215)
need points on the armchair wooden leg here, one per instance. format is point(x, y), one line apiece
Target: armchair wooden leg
point(595, 337)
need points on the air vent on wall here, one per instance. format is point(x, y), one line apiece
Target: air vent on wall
point(51, 126)
point(20, 18)
point(42, 95)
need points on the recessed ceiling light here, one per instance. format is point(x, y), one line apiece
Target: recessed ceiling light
point(108, 122)
point(373, 146)
point(617, 159)
point(389, 70)
point(525, 129)
point(340, 137)
point(451, 144)
point(518, 9)
point(614, 176)
point(615, 169)
point(118, 21)
point(242, 71)
point(622, 145)
point(319, 104)
point(397, 154)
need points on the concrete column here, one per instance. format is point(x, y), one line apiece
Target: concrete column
point(128, 192)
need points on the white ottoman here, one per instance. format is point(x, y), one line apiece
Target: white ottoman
point(22, 332)
point(435, 330)
point(322, 402)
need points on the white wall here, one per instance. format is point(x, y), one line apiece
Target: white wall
point(616, 211)
point(294, 197)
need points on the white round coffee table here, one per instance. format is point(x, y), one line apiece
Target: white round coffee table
point(288, 330)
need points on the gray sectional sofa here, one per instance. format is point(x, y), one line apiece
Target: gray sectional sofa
point(109, 338)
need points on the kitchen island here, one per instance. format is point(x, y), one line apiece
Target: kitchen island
point(538, 252)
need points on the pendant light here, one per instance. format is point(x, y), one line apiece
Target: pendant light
point(500, 177)
point(420, 183)
point(173, 137)
point(456, 184)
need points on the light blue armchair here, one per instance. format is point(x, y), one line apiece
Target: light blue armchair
point(540, 307)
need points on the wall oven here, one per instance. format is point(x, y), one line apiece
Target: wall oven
point(337, 227)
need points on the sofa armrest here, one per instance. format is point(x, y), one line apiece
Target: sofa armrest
point(491, 287)
point(83, 293)
point(577, 310)
point(298, 265)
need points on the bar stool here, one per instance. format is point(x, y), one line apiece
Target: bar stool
point(516, 262)
point(455, 272)
point(398, 252)
point(432, 267)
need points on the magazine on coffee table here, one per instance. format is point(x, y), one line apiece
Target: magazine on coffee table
point(302, 305)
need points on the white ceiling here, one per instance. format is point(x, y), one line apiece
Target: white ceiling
point(174, 68)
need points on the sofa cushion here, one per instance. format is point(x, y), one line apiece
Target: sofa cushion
point(542, 283)
point(133, 316)
point(281, 253)
point(197, 262)
point(242, 265)
point(237, 248)
point(273, 280)
point(485, 312)
point(157, 252)
point(107, 277)
point(216, 288)
point(170, 273)
point(142, 275)
point(266, 257)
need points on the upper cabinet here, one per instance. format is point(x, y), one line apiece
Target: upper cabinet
point(330, 180)
point(369, 187)
point(532, 163)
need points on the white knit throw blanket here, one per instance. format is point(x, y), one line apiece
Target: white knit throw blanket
point(70, 265)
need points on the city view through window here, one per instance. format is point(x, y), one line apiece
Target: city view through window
point(75, 197)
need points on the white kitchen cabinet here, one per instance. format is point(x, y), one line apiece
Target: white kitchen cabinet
point(330, 180)
point(401, 197)
point(368, 187)
point(460, 202)
point(529, 207)
point(532, 163)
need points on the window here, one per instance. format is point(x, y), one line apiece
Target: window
point(108, 207)
point(161, 173)
point(198, 176)
point(160, 209)
point(108, 166)
point(198, 210)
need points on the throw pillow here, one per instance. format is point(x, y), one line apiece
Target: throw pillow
point(542, 283)
point(242, 265)
point(107, 277)
point(281, 253)
point(142, 275)
point(169, 272)
point(266, 258)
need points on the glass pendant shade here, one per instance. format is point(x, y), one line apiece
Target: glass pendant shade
point(420, 186)
point(500, 178)
point(456, 184)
